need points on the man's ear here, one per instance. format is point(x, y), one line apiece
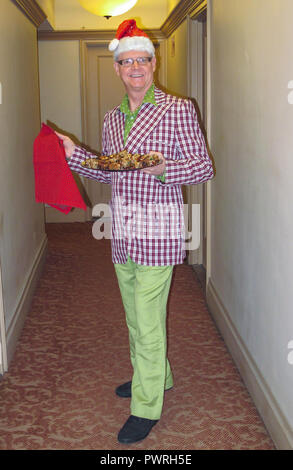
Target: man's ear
point(154, 62)
point(116, 68)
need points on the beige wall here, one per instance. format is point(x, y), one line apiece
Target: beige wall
point(21, 219)
point(177, 61)
point(60, 98)
point(252, 193)
point(177, 67)
point(59, 69)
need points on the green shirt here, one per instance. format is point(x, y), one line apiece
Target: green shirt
point(130, 116)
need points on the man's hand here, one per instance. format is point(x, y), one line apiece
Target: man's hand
point(158, 169)
point(68, 144)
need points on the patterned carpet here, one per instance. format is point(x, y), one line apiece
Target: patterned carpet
point(73, 352)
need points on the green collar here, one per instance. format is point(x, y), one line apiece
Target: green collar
point(149, 97)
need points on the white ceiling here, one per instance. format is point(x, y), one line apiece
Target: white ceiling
point(69, 14)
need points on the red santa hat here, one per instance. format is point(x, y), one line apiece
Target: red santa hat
point(130, 38)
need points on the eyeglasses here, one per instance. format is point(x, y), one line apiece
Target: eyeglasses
point(138, 60)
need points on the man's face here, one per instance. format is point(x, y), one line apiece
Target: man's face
point(136, 77)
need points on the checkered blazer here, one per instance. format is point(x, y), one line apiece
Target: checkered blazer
point(147, 214)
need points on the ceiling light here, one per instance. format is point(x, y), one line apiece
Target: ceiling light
point(107, 7)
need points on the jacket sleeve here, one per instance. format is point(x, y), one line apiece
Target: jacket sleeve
point(80, 154)
point(194, 165)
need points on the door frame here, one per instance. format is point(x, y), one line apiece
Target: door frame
point(206, 188)
point(208, 129)
point(197, 87)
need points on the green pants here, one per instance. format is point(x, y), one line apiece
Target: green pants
point(144, 291)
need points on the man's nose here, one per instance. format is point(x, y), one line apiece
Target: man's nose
point(135, 63)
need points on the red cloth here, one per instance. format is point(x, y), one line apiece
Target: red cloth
point(54, 183)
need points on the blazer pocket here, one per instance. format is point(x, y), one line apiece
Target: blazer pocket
point(166, 148)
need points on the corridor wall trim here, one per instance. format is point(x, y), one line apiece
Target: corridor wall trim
point(272, 416)
point(87, 35)
point(32, 10)
point(24, 302)
point(184, 8)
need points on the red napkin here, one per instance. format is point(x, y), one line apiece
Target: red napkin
point(54, 183)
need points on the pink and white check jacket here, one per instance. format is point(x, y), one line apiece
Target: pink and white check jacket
point(147, 214)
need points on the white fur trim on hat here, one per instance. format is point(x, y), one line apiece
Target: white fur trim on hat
point(113, 44)
point(134, 43)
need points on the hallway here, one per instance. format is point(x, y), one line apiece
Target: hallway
point(73, 352)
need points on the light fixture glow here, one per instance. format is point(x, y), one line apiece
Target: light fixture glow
point(107, 7)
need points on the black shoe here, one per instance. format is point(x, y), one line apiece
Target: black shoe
point(124, 390)
point(135, 429)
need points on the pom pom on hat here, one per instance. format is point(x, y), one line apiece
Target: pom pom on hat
point(113, 44)
point(129, 37)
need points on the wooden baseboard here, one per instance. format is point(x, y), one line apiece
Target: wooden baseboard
point(266, 404)
point(24, 303)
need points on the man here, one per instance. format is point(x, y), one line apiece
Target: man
point(147, 120)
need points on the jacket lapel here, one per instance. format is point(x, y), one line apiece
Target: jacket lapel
point(116, 131)
point(148, 118)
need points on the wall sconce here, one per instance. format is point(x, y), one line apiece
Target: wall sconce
point(107, 8)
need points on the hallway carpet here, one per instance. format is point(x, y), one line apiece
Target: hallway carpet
point(73, 352)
